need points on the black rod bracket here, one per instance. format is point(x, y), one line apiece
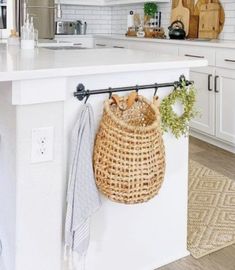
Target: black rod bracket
point(81, 92)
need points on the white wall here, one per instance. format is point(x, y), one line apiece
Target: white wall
point(107, 20)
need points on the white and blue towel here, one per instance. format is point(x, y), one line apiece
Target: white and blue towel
point(82, 195)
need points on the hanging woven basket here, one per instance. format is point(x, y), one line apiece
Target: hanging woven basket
point(129, 156)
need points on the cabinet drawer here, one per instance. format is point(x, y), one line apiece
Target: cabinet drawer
point(225, 58)
point(156, 47)
point(119, 44)
point(86, 42)
point(103, 43)
point(198, 53)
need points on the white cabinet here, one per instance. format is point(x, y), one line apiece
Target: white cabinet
point(156, 47)
point(225, 104)
point(103, 43)
point(111, 43)
point(198, 52)
point(122, 44)
point(205, 103)
point(81, 41)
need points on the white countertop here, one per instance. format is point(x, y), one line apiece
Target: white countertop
point(17, 64)
point(217, 43)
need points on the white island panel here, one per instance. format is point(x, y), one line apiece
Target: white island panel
point(140, 237)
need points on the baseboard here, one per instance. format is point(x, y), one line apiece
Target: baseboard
point(212, 140)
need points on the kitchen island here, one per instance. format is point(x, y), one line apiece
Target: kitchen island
point(36, 91)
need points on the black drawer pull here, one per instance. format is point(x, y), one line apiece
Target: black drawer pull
point(118, 47)
point(101, 45)
point(77, 44)
point(216, 84)
point(195, 56)
point(209, 82)
point(229, 60)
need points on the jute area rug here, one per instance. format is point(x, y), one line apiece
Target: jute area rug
point(211, 217)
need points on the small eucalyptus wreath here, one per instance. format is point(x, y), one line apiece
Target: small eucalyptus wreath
point(178, 125)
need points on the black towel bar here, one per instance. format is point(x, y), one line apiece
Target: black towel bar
point(82, 93)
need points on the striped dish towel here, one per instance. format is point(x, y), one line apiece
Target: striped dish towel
point(82, 195)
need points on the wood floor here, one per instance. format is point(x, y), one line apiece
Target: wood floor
point(224, 163)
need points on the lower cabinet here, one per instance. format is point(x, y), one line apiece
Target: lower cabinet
point(225, 104)
point(215, 103)
point(156, 47)
point(205, 104)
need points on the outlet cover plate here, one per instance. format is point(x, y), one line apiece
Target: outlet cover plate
point(42, 144)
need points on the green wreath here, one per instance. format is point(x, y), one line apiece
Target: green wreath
point(179, 125)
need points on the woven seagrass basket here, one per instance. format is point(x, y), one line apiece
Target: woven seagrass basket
point(129, 156)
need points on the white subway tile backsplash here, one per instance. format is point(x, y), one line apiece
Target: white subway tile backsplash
point(113, 20)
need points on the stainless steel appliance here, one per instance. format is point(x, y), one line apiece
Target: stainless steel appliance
point(81, 27)
point(65, 28)
point(3, 15)
point(43, 12)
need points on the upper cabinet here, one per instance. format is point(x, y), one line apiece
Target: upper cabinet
point(105, 2)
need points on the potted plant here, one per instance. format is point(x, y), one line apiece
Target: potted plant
point(150, 9)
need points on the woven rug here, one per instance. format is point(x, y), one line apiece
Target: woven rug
point(211, 224)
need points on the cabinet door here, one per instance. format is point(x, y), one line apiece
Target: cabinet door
point(154, 46)
point(205, 104)
point(225, 104)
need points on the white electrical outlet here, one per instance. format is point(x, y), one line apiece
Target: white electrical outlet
point(42, 144)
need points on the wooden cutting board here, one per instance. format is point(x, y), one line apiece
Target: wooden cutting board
point(198, 5)
point(193, 26)
point(209, 15)
point(186, 3)
point(182, 14)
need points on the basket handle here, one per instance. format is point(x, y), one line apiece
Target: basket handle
point(133, 96)
point(115, 99)
point(131, 99)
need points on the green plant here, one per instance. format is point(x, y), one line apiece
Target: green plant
point(178, 125)
point(150, 9)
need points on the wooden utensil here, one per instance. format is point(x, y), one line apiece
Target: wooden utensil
point(182, 14)
point(222, 13)
point(209, 25)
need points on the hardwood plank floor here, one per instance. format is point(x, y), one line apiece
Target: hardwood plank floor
point(223, 162)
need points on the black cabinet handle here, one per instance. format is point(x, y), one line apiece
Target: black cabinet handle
point(216, 84)
point(209, 82)
point(195, 56)
point(118, 47)
point(229, 60)
point(100, 45)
